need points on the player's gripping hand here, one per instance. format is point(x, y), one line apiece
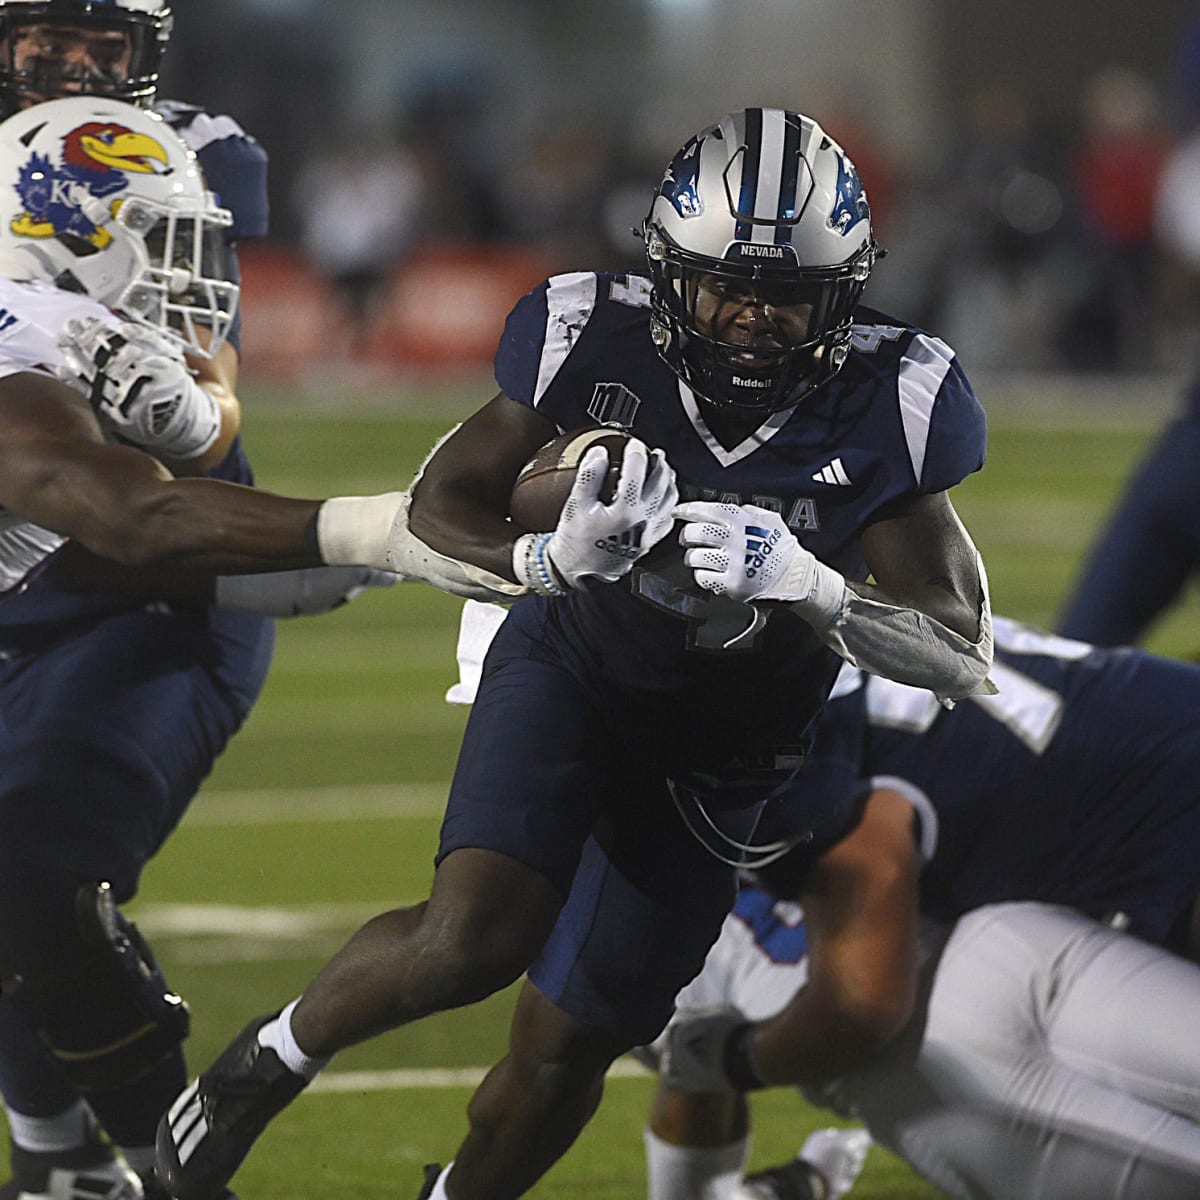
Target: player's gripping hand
point(597, 540)
point(140, 386)
point(701, 1050)
point(302, 593)
point(747, 552)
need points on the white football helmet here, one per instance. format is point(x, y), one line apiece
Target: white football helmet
point(102, 198)
point(45, 50)
point(759, 243)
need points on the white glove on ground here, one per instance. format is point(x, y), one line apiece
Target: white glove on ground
point(749, 553)
point(840, 1155)
point(594, 539)
point(302, 593)
point(139, 385)
point(694, 1048)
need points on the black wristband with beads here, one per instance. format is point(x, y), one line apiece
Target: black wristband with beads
point(738, 1060)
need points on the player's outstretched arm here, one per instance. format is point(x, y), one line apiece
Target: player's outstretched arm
point(926, 620)
point(124, 505)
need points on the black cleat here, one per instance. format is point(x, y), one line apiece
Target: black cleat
point(795, 1181)
point(93, 1171)
point(153, 1190)
point(432, 1171)
point(210, 1128)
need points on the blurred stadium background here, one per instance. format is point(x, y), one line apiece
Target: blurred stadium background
point(506, 141)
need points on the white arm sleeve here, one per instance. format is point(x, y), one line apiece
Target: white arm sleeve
point(911, 647)
point(301, 593)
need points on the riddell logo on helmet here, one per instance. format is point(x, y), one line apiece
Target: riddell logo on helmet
point(740, 381)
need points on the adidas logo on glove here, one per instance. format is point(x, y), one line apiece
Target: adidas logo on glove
point(627, 544)
point(759, 545)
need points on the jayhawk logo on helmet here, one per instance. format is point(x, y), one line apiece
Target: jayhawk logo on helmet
point(97, 159)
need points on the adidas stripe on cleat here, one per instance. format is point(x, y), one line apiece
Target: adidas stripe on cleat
point(215, 1121)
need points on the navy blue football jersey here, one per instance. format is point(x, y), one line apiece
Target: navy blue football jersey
point(900, 419)
point(1078, 783)
point(234, 164)
point(235, 169)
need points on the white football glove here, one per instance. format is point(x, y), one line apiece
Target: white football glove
point(749, 553)
point(693, 1048)
point(598, 540)
point(302, 593)
point(139, 385)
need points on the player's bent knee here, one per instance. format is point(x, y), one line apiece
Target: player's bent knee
point(90, 985)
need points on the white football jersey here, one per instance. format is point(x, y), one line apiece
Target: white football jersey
point(31, 316)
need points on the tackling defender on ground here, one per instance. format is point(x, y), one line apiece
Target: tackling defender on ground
point(1054, 825)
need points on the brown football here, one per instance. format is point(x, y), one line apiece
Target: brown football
point(545, 481)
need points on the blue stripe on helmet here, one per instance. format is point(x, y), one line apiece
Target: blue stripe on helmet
point(789, 202)
point(748, 195)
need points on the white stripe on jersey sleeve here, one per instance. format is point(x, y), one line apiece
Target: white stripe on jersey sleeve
point(928, 825)
point(570, 302)
point(204, 128)
point(924, 366)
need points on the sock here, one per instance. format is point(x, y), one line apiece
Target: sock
point(693, 1172)
point(129, 1112)
point(139, 1158)
point(52, 1135)
point(277, 1035)
point(439, 1188)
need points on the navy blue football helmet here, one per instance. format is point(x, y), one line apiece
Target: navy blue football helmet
point(759, 243)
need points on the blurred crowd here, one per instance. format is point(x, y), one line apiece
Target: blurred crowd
point(1030, 242)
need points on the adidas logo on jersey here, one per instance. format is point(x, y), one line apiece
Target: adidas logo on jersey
point(760, 544)
point(833, 473)
point(626, 544)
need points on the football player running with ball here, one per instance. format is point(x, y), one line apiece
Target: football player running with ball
point(666, 660)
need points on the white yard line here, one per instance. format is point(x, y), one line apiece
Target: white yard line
point(434, 1077)
point(256, 934)
point(271, 806)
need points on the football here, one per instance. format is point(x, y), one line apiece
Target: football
point(545, 481)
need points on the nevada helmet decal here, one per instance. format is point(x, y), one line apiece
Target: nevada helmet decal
point(97, 160)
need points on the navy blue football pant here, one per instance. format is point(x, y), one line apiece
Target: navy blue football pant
point(1149, 548)
point(106, 733)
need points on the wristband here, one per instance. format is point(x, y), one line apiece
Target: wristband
point(826, 597)
point(532, 565)
point(198, 418)
point(353, 530)
point(737, 1060)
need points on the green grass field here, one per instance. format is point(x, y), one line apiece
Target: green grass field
point(325, 810)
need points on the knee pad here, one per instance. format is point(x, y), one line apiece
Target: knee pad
point(96, 995)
